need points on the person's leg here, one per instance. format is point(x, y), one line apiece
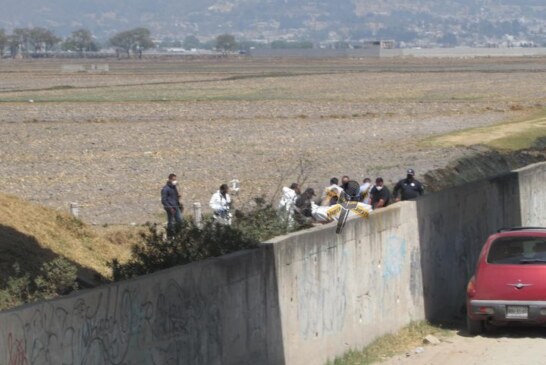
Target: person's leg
point(170, 221)
point(178, 216)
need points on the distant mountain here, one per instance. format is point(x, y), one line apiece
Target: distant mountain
point(443, 22)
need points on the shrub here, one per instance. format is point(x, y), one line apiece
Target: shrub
point(190, 243)
point(55, 278)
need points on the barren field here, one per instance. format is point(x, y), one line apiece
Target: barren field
point(108, 140)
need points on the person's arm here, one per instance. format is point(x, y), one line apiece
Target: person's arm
point(164, 198)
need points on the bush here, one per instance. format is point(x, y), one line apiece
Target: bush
point(190, 243)
point(55, 278)
point(187, 244)
point(263, 222)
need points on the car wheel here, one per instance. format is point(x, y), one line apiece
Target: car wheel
point(474, 326)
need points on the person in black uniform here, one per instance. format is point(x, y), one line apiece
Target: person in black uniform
point(408, 188)
point(380, 194)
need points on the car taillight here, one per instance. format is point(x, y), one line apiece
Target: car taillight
point(471, 288)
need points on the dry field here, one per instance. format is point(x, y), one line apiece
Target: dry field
point(109, 140)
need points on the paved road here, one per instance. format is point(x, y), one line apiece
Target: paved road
point(510, 346)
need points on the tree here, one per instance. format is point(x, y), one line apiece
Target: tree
point(42, 39)
point(81, 41)
point(226, 42)
point(18, 41)
point(3, 42)
point(134, 40)
point(191, 42)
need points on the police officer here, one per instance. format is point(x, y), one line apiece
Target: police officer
point(408, 187)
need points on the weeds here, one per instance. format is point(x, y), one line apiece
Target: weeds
point(390, 345)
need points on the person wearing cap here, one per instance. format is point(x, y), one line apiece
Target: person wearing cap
point(331, 193)
point(409, 188)
point(380, 194)
point(170, 198)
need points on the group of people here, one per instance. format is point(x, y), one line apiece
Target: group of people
point(220, 203)
point(295, 205)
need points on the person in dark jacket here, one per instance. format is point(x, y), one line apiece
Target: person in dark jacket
point(170, 198)
point(304, 203)
point(380, 194)
point(408, 188)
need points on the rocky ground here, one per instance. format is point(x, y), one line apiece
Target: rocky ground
point(109, 141)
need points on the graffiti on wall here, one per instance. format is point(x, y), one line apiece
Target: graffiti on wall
point(170, 324)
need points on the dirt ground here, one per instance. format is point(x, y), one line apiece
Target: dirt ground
point(514, 346)
point(108, 141)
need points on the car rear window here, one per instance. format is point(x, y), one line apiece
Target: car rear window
point(518, 250)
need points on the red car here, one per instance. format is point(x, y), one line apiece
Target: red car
point(509, 285)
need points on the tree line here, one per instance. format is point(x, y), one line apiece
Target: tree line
point(35, 41)
point(38, 41)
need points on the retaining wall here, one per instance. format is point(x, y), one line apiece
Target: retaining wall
point(298, 299)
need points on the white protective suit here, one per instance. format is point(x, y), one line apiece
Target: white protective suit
point(221, 205)
point(365, 192)
point(287, 205)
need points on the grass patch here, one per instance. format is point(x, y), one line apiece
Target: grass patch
point(391, 344)
point(511, 135)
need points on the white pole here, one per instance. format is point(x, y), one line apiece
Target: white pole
point(197, 214)
point(75, 209)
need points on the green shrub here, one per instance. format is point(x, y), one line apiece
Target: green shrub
point(55, 278)
point(190, 243)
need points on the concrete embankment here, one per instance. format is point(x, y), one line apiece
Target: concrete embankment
point(298, 299)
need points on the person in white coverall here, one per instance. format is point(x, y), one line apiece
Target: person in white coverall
point(220, 203)
point(287, 203)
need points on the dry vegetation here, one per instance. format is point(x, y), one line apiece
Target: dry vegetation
point(407, 339)
point(108, 141)
point(31, 235)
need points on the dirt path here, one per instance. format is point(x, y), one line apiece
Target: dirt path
point(512, 346)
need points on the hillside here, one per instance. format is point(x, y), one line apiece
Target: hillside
point(31, 235)
point(447, 22)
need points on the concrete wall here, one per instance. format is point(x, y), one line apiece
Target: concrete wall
point(314, 53)
point(532, 190)
point(220, 311)
point(453, 226)
point(339, 292)
point(299, 299)
point(464, 52)
point(376, 52)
